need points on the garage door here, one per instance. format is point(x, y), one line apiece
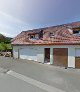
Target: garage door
point(28, 53)
point(77, 58)
point(60, 56)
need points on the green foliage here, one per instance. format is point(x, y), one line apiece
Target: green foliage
point(7, 40)
point(5, 47)
point(5, 43)
point(4, 39)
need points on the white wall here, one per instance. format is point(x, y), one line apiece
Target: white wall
point(71, 57)
point(77, 52)
point(36, 53)
point(40, 55)
point(25, 52)
point(29, 53)
point(15, 52)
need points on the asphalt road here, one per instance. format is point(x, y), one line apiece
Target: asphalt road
point(9, 83)
point(43, 77)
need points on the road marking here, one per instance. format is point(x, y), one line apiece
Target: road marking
point(34, 82)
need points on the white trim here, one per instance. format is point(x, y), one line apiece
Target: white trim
point(51, 55)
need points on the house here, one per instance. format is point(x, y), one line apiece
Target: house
point(57, 45)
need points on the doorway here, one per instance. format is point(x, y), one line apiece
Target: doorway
point(47, 55)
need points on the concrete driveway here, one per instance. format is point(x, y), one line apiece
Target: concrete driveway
point(45, 78)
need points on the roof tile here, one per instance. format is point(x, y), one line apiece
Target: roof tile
point(62, 36)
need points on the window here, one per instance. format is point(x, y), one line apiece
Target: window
point(32, 36)
point(51, 34)
point(76, 32)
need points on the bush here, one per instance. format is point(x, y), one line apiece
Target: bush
point(5, 47)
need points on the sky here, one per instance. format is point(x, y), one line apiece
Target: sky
point(22, 15)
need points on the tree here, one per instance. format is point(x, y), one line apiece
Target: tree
point(4, 46)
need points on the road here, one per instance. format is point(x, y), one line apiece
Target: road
point(24, 75)
point(9, 83)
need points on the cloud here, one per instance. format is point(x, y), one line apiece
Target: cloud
point(11, 18)
point(9, 25)
point(6, 34)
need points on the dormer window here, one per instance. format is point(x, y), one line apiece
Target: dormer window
point(51, 34)
point(76, 32)
point(32, 36)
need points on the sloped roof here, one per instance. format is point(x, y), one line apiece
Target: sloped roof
point(62, 35)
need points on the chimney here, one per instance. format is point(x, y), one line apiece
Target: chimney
point(41, 34)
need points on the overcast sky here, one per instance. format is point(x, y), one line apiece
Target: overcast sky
point(19, 15)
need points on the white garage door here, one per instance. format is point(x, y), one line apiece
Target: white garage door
point(28, 53)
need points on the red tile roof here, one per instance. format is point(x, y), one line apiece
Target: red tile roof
point(62, 35)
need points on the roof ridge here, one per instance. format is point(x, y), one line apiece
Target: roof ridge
point(44, 28)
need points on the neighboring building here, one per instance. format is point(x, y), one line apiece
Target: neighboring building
point(59, 45)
